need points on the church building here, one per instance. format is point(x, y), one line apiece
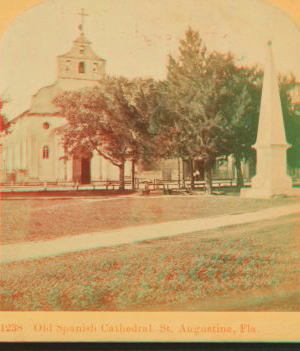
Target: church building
point(33, 151)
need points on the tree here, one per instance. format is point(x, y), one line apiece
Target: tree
point(200, 98)
point(188, 129)
point(111, 120)
point(291, 119)
point(143, 97)
point(243, 121)
point(5, 124)
point(230, 98)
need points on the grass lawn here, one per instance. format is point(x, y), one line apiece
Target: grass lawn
point(182, 269)
point(30, 220)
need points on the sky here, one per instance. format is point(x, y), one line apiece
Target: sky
point(136, 37)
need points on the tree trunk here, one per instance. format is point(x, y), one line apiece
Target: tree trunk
point(239, 173)
point(208, 181)
point(122, 176)
point(192, 174)
point(132, 175)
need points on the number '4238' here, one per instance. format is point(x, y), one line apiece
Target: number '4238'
point(11, 327)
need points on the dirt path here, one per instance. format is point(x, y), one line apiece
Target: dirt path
point(86, 241)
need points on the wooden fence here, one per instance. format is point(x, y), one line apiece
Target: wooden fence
point(140, 184)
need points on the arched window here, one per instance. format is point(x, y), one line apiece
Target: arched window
point(95, 67)
point(46, 151)
point(82, 50)
point(68, 65)
point(81, 67)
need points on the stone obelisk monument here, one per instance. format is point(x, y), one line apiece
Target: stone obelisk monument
point(271, 145)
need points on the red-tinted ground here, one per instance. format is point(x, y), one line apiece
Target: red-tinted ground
point(181, 273)
point(30, 220)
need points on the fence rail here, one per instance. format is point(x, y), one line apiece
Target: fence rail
point(140, 184)
point(198, 185)
point(68, 185)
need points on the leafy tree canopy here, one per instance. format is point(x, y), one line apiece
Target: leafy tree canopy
point(206, 97)
point(5, 124)
point(112, 119)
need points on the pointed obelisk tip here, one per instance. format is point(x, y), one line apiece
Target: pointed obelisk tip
point(269, 42)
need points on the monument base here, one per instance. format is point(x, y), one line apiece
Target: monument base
point(267, 187)
point(267, 194)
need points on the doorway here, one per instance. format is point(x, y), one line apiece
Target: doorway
point(82, 170)
point(198, 169)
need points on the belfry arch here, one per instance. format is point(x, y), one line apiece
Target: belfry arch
point(81, 67)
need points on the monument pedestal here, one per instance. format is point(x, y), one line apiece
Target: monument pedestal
point(271, 176)
point(260, 190)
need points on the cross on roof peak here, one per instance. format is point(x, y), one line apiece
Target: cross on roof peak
point(82, 14)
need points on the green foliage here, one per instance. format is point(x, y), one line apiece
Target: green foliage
point(243, 121)
point(112, 119)
point(207, 107)
point(206, 98)
point(5, 124)
point(210, 105)
point(291, 120)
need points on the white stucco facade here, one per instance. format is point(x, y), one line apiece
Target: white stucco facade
point(24, 153)
point(33, 151)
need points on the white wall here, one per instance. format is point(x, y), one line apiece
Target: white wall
point(22, 151)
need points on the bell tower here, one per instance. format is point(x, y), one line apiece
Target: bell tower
point(77, 69)
point(81, 62)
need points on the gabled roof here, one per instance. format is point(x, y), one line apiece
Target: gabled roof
point(88, 52)
point(82, 39)
point(19, 116)
point(42, 101)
